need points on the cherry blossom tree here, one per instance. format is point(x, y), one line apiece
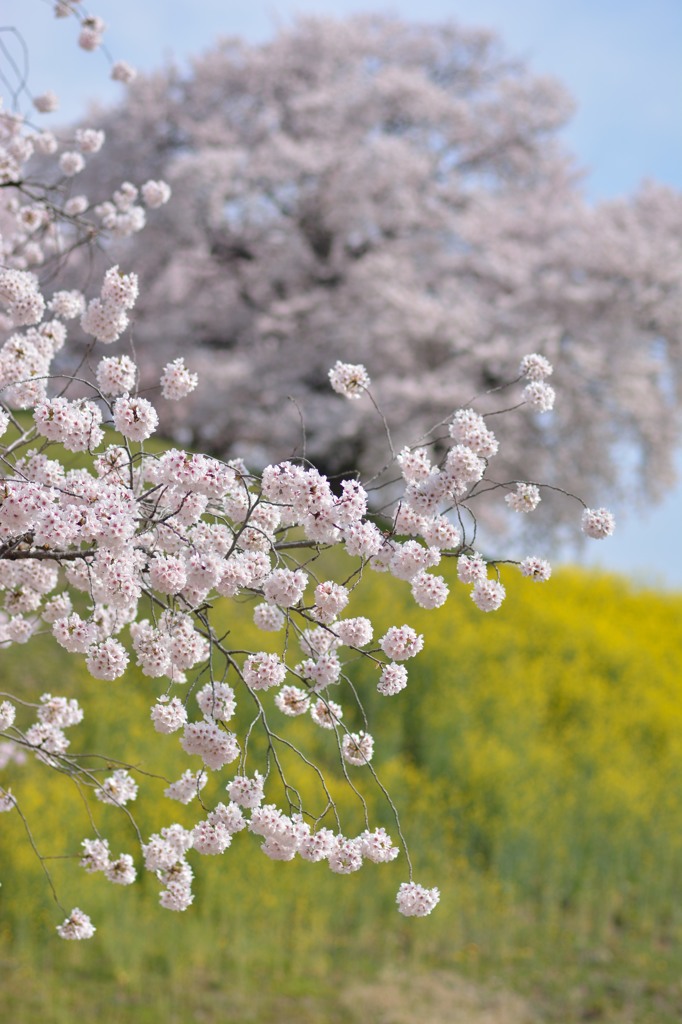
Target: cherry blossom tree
point(397, 195)
point(122, 550)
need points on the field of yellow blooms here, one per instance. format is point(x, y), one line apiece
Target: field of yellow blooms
point(536, 759)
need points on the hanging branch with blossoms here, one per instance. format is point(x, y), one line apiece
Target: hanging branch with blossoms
point(129, 554)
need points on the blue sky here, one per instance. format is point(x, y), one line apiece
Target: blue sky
point(620, 59)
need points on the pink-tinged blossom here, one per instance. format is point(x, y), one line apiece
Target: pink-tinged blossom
point(7, 715)
point(268, 820)
point(292, 701)
point(58, 607)
point(469, 429)
point(246, 791)
point(119, 289)
point(378, 847)
point(187, 646)
point(204, 569)
point(317, 846)
point(425, 497)
point(411, 558)
point(349, 379)
point(217, 701)
point(401, 642)
point(77, 926)
point(60, 712)
point(216, 746)
point(89, 140)
point(429, 591)
point(71, 163)
point(393, 679)
point(31, 218)
point(539, 396)
point(415, 464)
point(357, 632)
point(284, 848)
point(363, 540)
point(104, 321)
point(235, 576)
point(121, 871)
point(73, 633)
point(263, 671)
point(525, 498)
point(125, 195)
point(177, 381)
point(536, 568)
point(121, 71)
point(488, 595)
point(345, 856)
point(152, 649)
point(350, 506)
point(116, 375)
point(75, 425)
point(408, 522)
point(187, 786)
point(318, 641)
point(597, 523)
point(326, 713)
point(285, 587)
point(168, 574)
point(176, 897)
point(119, 789)
point(95, 855)
point(47, 739)
point(135, 418)
point(268, 617)
point(74, 207)
point(91, 33)
point(283, 835)
point(169, 717)
point(415, 901)
point(107, 660)
point(462, 468)
point(7, 800)
point(439, 532)
point(45, 143)
point(535, 367)
point(155, 194)
point(357, 747)
point(19, 629)
point(330, 599)
point(67, 305)
point(322, 672)
point(230, 816)
point(46, 103)
point(381, 562)
point(167, 849)
point(210, 839)
point(471, 568)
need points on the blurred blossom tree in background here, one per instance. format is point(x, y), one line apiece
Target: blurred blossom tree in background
point(396, 194)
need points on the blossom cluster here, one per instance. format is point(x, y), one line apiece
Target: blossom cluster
point(122, 554)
